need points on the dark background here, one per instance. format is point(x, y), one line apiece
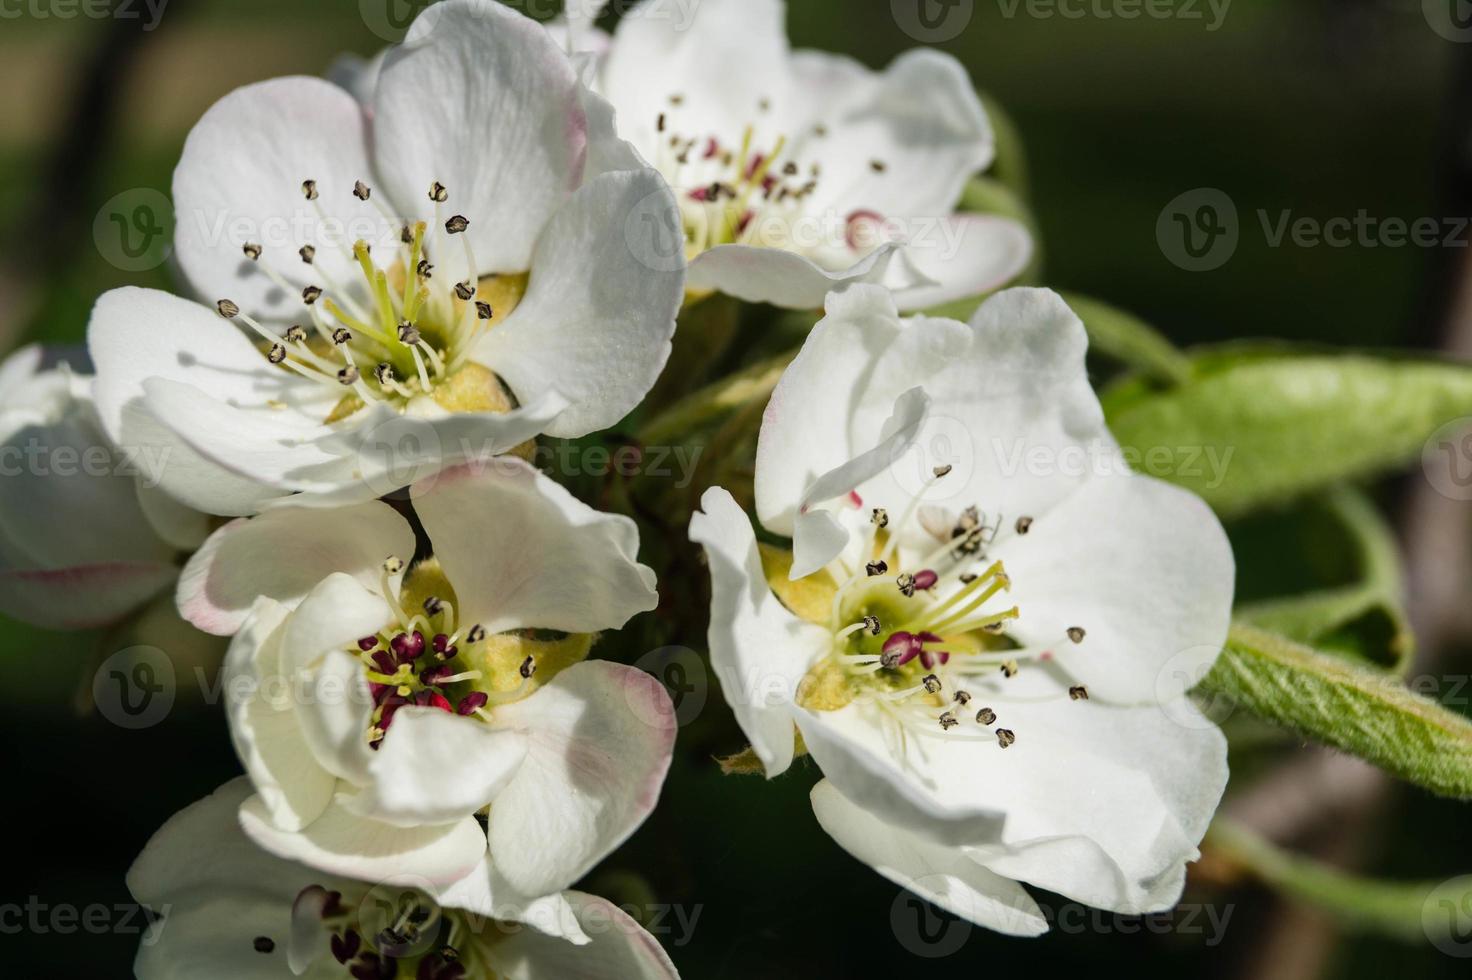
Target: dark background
point(1323, 108)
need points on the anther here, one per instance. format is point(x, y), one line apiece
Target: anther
point(227, 309)
point(878, 166)
point(968, 577)
point(1024, 524)
point(311, 294)
point(483, 310)
point(368, 643)
point(877, 567)
point(385, 374)
point(457, 224)
point(438, 193)
point(1079, 693)
point(528, 668)
point(941, 471)
point(1010, 668)
point(962, 698)
point(406, 235)
point(348, 376)
point(308, 253)
point(1005, 737)
point(408, 334)
point(880, 517)
point(361, 190)
point(464, 290)
point(295, 334)
point(1076, 634)
point(263, 944)
point(341, 335)
point(277, 353)
point(434, 605)
point(472, 703)
point(252, 251)
point(424, 269)
point(986, 716)
point(925, 580)
point(906, 583)
point(948, 721)
point(659, 124)
point(476, 634)
point(309, 189)
point(393, 564)
point(871, 623)
point(932, 683)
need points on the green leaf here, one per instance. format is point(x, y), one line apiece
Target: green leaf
point(1279, 425)
point(1131, 341)
point(1365, 619)
point(1364, 712)
point(1400, 910)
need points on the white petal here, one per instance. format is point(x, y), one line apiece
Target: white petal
point(84, 597)
point(284, 554)
point(140, 334)
point(436, 767)
point(479, 98)
point(599, 340)
point(293, 786)
point(934, 789)
point(817, 539)
point(357, 75)
point(722, 57)
point(920, 118)
point(1144, 568)
point(620, 949)
point(523, 552)
point(934, 872)
point(212, 937)
point(343, 843)
point(758, 650)
point(599, 740)
point(967, 255)
point(779, 277)
point(180, 525)
point(240, 178)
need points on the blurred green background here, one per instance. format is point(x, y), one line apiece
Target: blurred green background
point(1321, 107)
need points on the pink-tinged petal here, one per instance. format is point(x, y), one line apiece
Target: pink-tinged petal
point(84, 597)
point(600, 738)
point(620, 948)
point(780, 277)
point(284, 554)
point(965, 255)
point(479, 98)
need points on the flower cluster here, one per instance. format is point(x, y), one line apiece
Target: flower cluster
point(398, 282)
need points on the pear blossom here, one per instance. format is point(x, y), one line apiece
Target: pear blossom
point(391, 288)
point(230, 911)
point(380, 708)
point(800, 171)
point(85, 537)
point(980, 627)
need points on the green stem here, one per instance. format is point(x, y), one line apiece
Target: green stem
point(697, 408)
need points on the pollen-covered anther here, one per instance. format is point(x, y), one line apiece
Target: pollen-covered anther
point(1023, 525)
point(341, 335)
point(393, 564)
point(424, 269)
point(276, 354)
point(932, 684)
point(476, 634)
point(348, 376)
point(962, 698)
point(483, 310)
point(906, 584)
point(252, 251)
point(986, 716)
point(457, 224)
point(1078, 693)
point(406, 235)
point(227, 309)
point(434, 605)
point(464, 290)
point(948, 721)
point(296, 334)
point(439, 193)
point(942, 471)
point(1076, 634)
point(311, 294)
point(308, 254)
point(408, 334)
point(878, 166)
point(361, 190)
point(1005, 737)
point(871, 623)
point(1010, 668)
point(877, 567)
point(528, 668)
point(309, 190)
point(880, 517)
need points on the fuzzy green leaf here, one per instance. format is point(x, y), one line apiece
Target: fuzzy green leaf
point(1364, 712)
point(1129, 340)
point(1287, 424)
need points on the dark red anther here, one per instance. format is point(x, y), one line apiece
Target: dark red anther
point(712, 148)
point(745, 222)
point(332, 905)
point(472, 703)
point(368, 643)
point(385, 662)
point(433, 699)
point(373, 967)
point(925, 580)
point(701, 194)
point(900, 649)
point(408, 646)
point(346, 946)
point(757, 159)
point(928, 637)
point(435, 676)
point(440, 644)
